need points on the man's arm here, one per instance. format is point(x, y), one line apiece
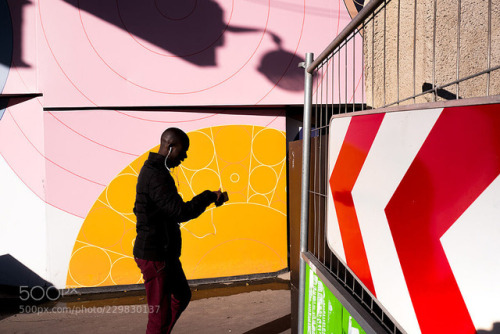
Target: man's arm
point(164, 193)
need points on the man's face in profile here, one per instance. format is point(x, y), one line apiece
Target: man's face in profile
point(177, 155)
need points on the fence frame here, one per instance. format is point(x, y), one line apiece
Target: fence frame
point(311, 67)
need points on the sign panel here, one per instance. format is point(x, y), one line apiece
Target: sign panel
point(413, 211)
point(324, 314)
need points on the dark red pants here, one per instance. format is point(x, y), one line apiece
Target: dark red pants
point(167, 292)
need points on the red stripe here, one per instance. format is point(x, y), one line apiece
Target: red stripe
point(456, 163)
point(358, 140)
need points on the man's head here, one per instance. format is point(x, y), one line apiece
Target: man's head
point(174, 144)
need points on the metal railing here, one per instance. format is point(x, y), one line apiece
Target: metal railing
point(394, 55)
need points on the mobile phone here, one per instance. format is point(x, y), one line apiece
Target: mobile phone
point(224, 197)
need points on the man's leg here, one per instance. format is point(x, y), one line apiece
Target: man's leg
point(157, 294)
point(181, 293)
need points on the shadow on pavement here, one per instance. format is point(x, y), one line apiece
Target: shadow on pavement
point(273, 327)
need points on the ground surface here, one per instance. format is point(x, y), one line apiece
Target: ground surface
point(265, 311)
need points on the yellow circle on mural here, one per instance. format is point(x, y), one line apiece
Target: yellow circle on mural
point(259, 199)
point(234, 177)
point(121, 271)
point(232, 143)
point(103, 227)
point(205, 179)
point(89, 266)
point(201, 151)
point(118, 193)
point(263, 179)
point(268, 147)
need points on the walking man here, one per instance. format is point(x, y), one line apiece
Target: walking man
point(159, 209)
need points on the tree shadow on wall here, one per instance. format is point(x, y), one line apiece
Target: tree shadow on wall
point(192, 30)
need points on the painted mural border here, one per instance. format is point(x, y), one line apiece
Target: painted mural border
point(194, 283)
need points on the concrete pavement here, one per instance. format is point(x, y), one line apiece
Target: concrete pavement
point(249, 308)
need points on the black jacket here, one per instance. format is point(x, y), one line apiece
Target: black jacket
point(159, 209)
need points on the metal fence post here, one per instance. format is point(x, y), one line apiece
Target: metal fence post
point(304, 206)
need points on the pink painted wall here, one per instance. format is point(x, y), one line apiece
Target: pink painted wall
point(120, 53)
point(55, 163)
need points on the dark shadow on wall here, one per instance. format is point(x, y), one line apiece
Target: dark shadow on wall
point(495, 330)
point(272, 67)
point(11, 23)
point(20, 286)
point(189, 29)
point(5, 41)
point(442, 93)
point(192, 30)
point(3, 106)
point(9, 100)
point(5, 45)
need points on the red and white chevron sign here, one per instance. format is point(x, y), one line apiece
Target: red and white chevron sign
point(414, 211)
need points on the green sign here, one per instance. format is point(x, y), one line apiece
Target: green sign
point(323, 313)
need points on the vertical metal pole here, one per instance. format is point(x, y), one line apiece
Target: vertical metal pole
point(489, 50)
point(327, 92)
point(339, 68)
point(363, 63)
point(373, 61)
point(333, 83)
point(459, 23)
point(414, 48)
point(397, 51)
point(345, 86)
point(434, 91)
point(304, 202)
point(353, 71)
point(317, 106)
point(385, 46)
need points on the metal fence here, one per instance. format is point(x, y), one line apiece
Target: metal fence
point(394, 55)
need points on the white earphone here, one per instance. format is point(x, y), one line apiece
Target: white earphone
point(169, 150)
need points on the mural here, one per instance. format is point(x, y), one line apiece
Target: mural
point(413, 211)
point(245, 236)
point(107, 72)
point(204, 51)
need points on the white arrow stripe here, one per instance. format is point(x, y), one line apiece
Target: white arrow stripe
point(472, 247)
point(338, 130)
point(398, 141)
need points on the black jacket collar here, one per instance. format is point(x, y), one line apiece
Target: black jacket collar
point(157, 160)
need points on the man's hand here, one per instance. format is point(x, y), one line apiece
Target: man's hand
point(221, 197)
point(219, 194)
